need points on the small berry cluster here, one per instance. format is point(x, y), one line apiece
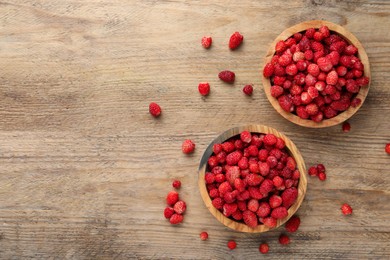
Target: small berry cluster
point(227, 76)
point(176, 207)
point(252, 178)
point(319, 171)
point(316, 74)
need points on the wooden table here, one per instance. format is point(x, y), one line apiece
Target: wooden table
point(85, 169)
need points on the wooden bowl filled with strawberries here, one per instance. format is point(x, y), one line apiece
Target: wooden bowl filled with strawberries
point(316, 74)
point(252, 178)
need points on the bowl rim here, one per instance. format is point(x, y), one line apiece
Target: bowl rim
point(362, 55)
point(253, 128)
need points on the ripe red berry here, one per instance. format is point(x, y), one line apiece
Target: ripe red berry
point(154, 109)
point(188, 146)
point(232, 244)
point(172, 198)
point(284, 239)
point(387, 148)
point(206, 41)
point(204, 88)
point(292, 224)
point(321, 167)
point(176, 184)
point(346, 209)
point(176, 219)
point(227, 76)
point(264, 248)
point(235, 40)
point(180, 207)
point(246, 136)
point(346, 127)
point(168, 212)
point(268, 70)
point(322, 176)
point(204, 236)
point(248, 89)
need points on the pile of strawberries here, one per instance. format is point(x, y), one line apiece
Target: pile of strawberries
point(316, 74)
point(252, 178)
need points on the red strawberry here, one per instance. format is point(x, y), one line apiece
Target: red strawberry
point(204, 88)
point(284, 239)
point(168, 212)
point(248, 89)
point(206, 41)
point(266, 186)
point(232, 244)
point(250, 218)
point(268, 70)
point(356, 102)
point(324, 63)
point(332, 78)
point(292, 224)
point(275, 200)
point(286, 103)
point(264, 248)
point(227, 76)
point(313, 171)
point(228, 147)
point(324, 30)
point(253, 205)
point(180, 207)
point(289, 196)
point(253, 179)
point(237, 215)
point(232, 172)
point(350, 50)
point(154, 109)
point(311, 109)
point(285, 60)
point(204, 236)
point(224, 187)
point(269, 222)
point(246, 136)
point(346, 209)
point(233, 158)
point(229, 209)
point(276, 91)
point(188, 146)
point(235, 40)
point(280, 46)
point(172, 198)
point(217, 203)
point(279, 212)
point(264, 210)
point(270, 139)
point(239, 185)
point(301, 112)
point(230, 197)
point(255, 193)
point(176, 219)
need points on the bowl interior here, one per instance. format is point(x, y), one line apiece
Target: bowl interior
point(290, 147)
point(362, 55)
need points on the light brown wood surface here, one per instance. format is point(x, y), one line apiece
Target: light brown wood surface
point(291, 149)
point(85, 169)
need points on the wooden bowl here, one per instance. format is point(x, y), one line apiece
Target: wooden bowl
point(290, 147)
point(362, 55)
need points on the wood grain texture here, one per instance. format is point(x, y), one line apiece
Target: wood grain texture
point(351, 39)
point(291, 150)
point(85, 168)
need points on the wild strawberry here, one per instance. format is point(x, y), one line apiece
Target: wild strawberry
point(264, 248)
point(214, 193)
point(297, 56)
point(220, 158)
point(351, 86)
point(229, 209)
point(255, 193)
point(289, 196)
point(310, 33)
point(387, 148)
point(237, 215)
point(232, 244)
point(321, 167)
point(217, 203)
point(228, 147)
point(275, 201)
point(350, 50)
point(209, 178)
point(346, 61)
point(254, 179)
point(269, 222)
point(245, 195)
point(318, 36)
point(284, 239)
point(250, 218)
point(176, 219)
point(339, 105)
point(325, 64)
point(239, 185)
point(301, 65)
point(356, 102)
point(276, 91)
point(230, 197)
point(154, 109)
point(176, 184)
point(329, 112)
point(285, 103)
point(172, 198)
point(269, 139)
point(279, 212)
point(332, 78)
point(266, 186)
point(324, 30)
point(292, 224)
point(313, 171)
point(168, 212)
point(217, 148)
point(322, 176)
point(313, 69)
point(233, 158)
point(346, 127)
point(227, 76)
point(246, 136)
point(253, 167)
point(272, 162)
point(291, 70)
point(248, 89)
point(311, 109)
point(338, 46)
point(301, 112)
point(268, 70)
point(204, 88)
point(224, 187)
point(264, 168)
point(309, 54)
point(346, 209)
point(188, 146)
point(362, 81)
point(243, 163)
point(310, 80)
point(180, 207)
point(204, 236)
point(206, 41)
point(334, 57)
point(235, 40)
point(285, 60)
point(317, 47)
point(280, 46)
point(232, 173)
point(318, 117)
